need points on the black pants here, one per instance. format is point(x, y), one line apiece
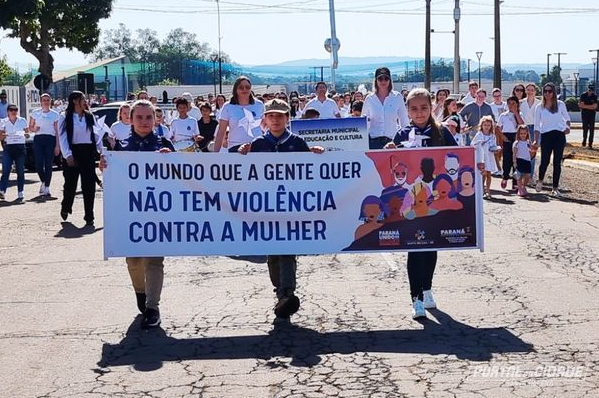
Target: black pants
point(508, 156)
point(588, 129)
point(85, 166)
point(421, 267)
point(552, 142)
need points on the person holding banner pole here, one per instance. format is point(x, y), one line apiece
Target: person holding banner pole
point(147, 273)
point(423, 131)
point(242, 115)
point(281, 268)
point(385, 110)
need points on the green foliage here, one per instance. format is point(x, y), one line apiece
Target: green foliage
point(168, 82)
point(145, 46)
point(45, 25)
point(5, 70)
point(572, 104)
point(554, 76)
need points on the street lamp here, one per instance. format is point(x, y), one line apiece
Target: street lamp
point(214, 58)
point(594, 71)
point(596, 66)
point(548, 56)
point(576, 74)
point(469, 70)
point(479, 54)
point(220, 58)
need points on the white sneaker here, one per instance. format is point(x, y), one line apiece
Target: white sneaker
point(429, 300)
point(42, 188)
point(557, 193)
point(21, 195)
point(418, 309)
point(2, 193)
point(539, 186)
point(47, 191)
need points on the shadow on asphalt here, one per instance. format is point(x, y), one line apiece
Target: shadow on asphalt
point(147, 350)
point(69, 231)
point(250, 259)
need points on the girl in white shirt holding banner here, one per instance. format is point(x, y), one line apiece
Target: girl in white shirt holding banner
point(552, 122)
point(385, 110)
point(44, 123)
point(14, 132)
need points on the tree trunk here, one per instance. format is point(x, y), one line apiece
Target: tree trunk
point(40, 51)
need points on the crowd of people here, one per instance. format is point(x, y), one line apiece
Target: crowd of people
point(505, 134)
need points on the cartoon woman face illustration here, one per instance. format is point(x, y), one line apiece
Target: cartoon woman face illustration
point(371, 212)
point(443, 188)
point(400, 173)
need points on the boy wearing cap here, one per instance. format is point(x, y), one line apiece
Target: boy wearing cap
point(281, 268)
point(588, 108)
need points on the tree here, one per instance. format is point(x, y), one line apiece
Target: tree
point(120, 41)
point(45, 25)
point(5, 70)
point(554, 77)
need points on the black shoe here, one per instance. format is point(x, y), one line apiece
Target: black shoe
point(64, 215)
point(151, 318)
point(141, 302)
point(584, 143)
point(287, 306)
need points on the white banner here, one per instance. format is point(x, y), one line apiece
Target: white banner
point(336, 134)
point(290, 203)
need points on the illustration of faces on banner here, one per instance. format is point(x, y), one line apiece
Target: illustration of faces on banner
point(418, 184)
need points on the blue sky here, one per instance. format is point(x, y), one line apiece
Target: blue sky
point(272, 31)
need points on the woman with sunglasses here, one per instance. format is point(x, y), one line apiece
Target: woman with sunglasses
point(44, 123)
point(552, 123)
point(242, 115)
point(13, 131)
point(385, 110)
point(518, 91)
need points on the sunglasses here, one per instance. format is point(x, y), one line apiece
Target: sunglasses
point(243, 87)
point(383, 78)
point(12, 109)
point(547, 91)
point(519, 89)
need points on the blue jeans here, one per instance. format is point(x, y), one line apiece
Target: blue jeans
point(43, 149)
point(13, 153)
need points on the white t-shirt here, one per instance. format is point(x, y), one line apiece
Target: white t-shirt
point(166, 133)
point(523, 149)
point(120, 131)
point(46, 121)
point(15, 132)
point(327, 109)
point(498, 109)
point(244, 121)
point(507, 122)
point(184, 129)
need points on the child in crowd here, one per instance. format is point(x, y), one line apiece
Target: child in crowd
point(486, 145)
point(522, 158)
point(281, 268)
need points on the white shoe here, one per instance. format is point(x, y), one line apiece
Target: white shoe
point(418, 309)
point(539, 186)
point(42, 188)
point(47, 191)
point(429, 300)
point(557, 193)
point(2, 193)
point(21, 195)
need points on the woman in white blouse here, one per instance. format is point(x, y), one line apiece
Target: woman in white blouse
point(242, 115)
point(385, 110)
point(527, 107)
point(552, 123)
point(44, 123)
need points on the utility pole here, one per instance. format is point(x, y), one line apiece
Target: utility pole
point(427, 47)
point(469, 70)
point(335, 44)
point(479, 55)
point(456, 48)
point(596, 66)
point(220, 58)
point(559, 67)
point(497, 68)
point(548, 56)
